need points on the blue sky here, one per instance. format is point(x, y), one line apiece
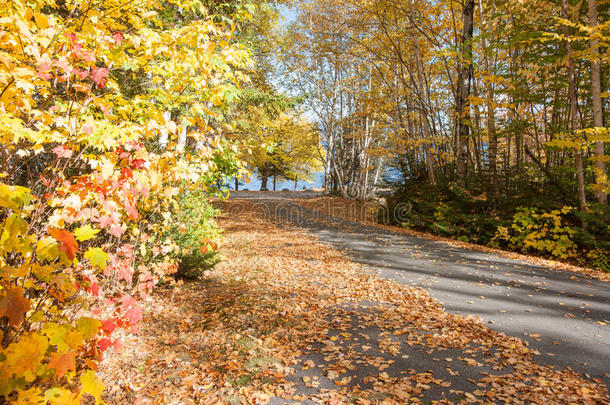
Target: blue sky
point(289, 14)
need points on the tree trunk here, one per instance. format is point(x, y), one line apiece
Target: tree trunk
point(236, 184)
point(582, 198)
point(164, 135)
point(463, 91)
point(424, 115)
point(492, 147)
point(329, 161)
point(598, 117)
point(477, 142)
point(264, 183)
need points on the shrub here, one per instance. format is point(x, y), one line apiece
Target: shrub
point(445, 209)
point(548, 229)
point(194, 232)
point(192, 264)
point(547, 233)
point(600, 259)
point(87, 182)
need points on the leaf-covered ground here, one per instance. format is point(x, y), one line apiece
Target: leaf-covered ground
point(285, 319)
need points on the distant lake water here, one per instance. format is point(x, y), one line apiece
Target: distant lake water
point(255, 183)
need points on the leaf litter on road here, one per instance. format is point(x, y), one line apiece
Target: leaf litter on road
point(284, 317)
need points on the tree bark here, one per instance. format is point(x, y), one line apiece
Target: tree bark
point(598, 117)
point(582, 198)
point(264, 183)
point(463, 91)
point(424, 115)
point(492, 147)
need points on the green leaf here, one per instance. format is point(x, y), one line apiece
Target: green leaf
point(62, 396)
point(58, 335)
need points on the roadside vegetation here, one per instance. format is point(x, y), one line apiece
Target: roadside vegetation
point(122, 123)
point(547, 226)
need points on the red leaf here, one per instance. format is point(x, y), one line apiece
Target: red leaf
point(131, 210)
point(64, 65)
point(67, 243)
point(82, 74)
point(44, 76)
point(62, 152)
point(128, 301)
point(134, 315)
point(94, 289)
point(88, 56)
point(14, 305)
point(127, 173)
point(138, 163)
point(125, 272)
point(107, 221)
point(99, 76)
point(44, 71)
point(104, 344)
point(116, 231)
point(118, 38)
point(108, 326)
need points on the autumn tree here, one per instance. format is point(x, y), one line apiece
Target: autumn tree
point(463, 89)
point(495, 104)
point(596, 90)
point(277, 143)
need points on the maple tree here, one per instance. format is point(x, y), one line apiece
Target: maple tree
point(108, 111)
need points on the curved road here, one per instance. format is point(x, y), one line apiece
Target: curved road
point(564, 315)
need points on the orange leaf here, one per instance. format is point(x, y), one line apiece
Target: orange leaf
point(68, 244)
point(14, 305)
point(62, 363)
point(92, 365)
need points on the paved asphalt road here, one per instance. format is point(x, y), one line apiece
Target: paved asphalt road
point(565, 316)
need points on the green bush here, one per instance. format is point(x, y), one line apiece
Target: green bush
point(194, 232)
point(192, 264)
point(600, 259)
